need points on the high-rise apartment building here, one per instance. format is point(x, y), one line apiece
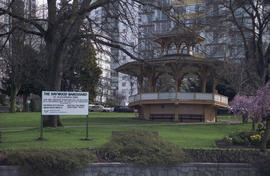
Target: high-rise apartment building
point(151, 22)
point(205, 17)
point(104, 86)
point(121, 85)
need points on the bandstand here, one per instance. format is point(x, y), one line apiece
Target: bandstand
point(176, 105)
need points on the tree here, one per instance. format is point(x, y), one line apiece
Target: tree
point(82, 73)
point(256, 107)
point(29, 87)
point(252, 20)
point(21, 71)
point(63, 25)
point(243, 105)
point(119, 98)
point(14, 53)
point(261, 107)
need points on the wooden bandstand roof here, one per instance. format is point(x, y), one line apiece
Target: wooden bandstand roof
point(164, 64)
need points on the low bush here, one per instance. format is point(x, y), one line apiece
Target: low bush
point(143, 148)
point(50, 162)
point(247, 138)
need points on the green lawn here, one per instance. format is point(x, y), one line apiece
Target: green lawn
point(15, 136)
point(231, 118)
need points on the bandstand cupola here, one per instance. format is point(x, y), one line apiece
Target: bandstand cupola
point(180, 38)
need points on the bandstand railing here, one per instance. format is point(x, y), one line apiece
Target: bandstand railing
point(179, 96)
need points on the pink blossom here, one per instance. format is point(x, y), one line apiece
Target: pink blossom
point(256, 107)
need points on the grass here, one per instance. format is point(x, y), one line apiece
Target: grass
point(22, 119)
point(231, 118)
point(15, 136)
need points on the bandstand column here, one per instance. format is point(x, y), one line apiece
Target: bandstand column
point(203, 84)
point(176, 112)
point(214, 85)
point(176, 76)
point(203, 75)
point(140, 84)
point(152, 80)
point(150, 83)
point(176, 83)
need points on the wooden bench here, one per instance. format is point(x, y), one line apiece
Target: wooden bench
point(162, 117)
point(191, 117)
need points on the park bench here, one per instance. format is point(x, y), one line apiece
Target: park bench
point(191, 118)
point(162, 117)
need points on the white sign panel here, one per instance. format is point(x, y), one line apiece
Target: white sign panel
point(64, 103)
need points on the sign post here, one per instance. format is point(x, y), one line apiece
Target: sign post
point(41, 128)
point(64, 103)
point(86, 128)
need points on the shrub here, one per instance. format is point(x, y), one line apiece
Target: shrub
point(246, 138)
point(50, 162)
point(141, 147)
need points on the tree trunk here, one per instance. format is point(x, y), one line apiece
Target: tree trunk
point(266, 135)
point(13, 96)
point(55, 76)
point(52, 121)
point(245, 118)
point(25, 104)
point(253, 124)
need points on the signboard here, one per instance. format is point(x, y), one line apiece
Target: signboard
point(64, 103)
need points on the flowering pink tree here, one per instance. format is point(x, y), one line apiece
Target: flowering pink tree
point(242, 105)
point(261, 107)
point(256, 107)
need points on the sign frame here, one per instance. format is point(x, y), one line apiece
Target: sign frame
point(53, 101)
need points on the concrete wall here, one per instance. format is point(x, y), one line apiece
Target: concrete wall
point(171, 108)
point(191, 109)
point(190, 169)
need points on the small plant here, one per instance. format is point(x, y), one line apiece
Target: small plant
point(228, 140)
point(143, 148)
point(256, 139)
